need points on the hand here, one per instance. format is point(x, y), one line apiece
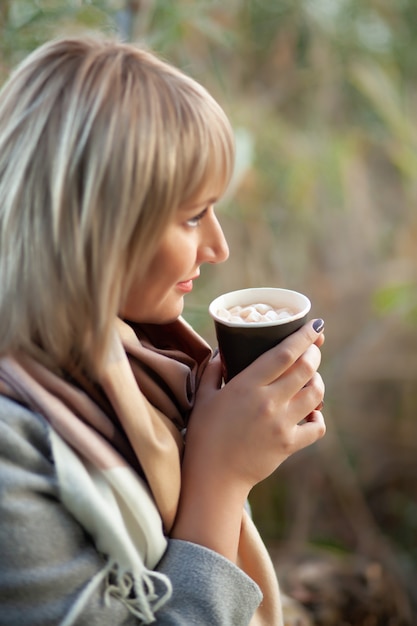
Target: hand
point(264, 414)
point(240, 433)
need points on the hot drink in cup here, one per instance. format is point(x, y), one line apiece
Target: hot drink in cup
point(249, 322)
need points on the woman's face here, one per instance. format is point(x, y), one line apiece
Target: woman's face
point(193, 237)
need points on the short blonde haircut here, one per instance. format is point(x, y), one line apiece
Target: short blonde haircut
point(100, 143)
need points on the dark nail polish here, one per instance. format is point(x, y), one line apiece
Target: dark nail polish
point(318, 325)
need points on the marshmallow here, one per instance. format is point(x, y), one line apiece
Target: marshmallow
point(254, 313)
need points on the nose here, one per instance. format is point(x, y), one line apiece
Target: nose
point(213, 247)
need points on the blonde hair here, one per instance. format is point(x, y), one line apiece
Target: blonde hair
point(100, 143)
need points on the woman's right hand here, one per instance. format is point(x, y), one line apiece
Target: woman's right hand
point(264, 414)
point(240, 433)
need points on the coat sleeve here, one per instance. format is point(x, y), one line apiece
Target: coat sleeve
point(209, 590)
point(47, 559)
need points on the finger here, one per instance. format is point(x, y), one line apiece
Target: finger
point(273, 363)
point(212, 376)
point(311, 429)
point(320, 340)
point(310, 397)
point(301, 374)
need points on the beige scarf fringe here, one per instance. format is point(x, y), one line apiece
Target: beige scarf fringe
point(151, 417)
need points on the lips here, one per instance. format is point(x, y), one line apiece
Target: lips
point(187, 285)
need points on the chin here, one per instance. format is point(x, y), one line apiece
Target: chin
point(169, 317)
point(163, 318)
point(173, 313)
point(163, 315)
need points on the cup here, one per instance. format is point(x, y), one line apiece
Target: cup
point(241, 342)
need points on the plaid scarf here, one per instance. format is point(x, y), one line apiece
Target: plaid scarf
point(117, 449)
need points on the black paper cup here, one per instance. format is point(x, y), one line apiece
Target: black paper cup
point(240, 343)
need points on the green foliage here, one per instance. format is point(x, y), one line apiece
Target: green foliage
point(398, 298)
point(25, 24)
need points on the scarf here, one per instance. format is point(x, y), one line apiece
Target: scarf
point(118, 448)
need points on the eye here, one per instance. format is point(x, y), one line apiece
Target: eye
point(194, 221)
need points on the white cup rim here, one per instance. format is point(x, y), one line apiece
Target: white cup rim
point(288, 297)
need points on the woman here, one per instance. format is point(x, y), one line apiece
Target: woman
point(111, 162)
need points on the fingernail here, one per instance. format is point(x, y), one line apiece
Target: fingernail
point(318, 325)
point(215, 353)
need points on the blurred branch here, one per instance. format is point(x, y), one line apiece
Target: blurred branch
point(4, 13)
point(383, 93)
point(133, 21)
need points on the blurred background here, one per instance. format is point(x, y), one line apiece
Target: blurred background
point(322, 95)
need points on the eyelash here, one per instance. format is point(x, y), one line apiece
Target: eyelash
point(194, 221)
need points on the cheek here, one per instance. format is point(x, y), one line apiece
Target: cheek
point(172, 262)
point(164, 272)
point(160, 274)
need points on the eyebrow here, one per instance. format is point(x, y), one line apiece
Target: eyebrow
point(193, 207)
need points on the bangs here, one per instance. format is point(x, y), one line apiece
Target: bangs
point(206, 150)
